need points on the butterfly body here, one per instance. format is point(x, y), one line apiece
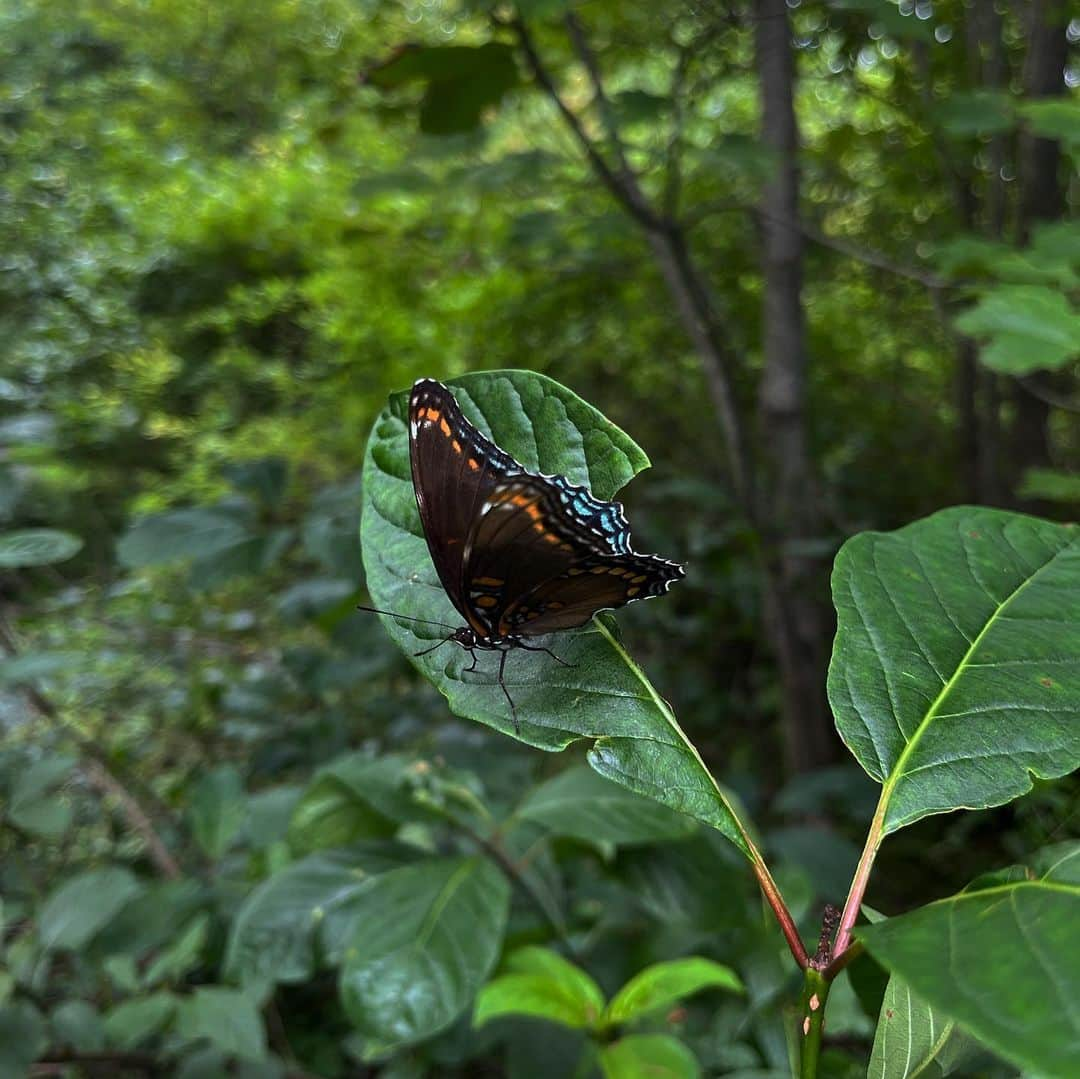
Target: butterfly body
point(519, 554)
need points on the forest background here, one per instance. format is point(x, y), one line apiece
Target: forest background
point(819, 259)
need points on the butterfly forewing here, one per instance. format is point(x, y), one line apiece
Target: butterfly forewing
point(454, 469)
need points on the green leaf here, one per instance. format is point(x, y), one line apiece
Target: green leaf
point(955, 674)
point(178, 534)
point(34, 804)
point(273, 936)
point(461, 81)
point(23, 1038)
point(909, 1036)
point(581, 804)
point(355, 797)
point(1029, 327)
point(77, 1025)
point(218, 809)
point(265, 478)
point(227, 1018)
point(664, 984)
point(604, 695)
point(36, 547)
point(182, 955)
point(648, 1056)
point(1001, 960)
point(542, 984)
point(976, 112)
point(426, 938)
point(83, 905)
point(257, 554)
point(1053, 119)
point(135, 1021)
point(1049, 484)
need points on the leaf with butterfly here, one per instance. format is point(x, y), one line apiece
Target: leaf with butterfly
point(593, 689)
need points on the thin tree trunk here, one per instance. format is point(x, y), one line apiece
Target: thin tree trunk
point(788, 506)
point(1042, 198)
point(793, 622)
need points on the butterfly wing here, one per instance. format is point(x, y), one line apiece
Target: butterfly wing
point(595, 584)
point(545, 555)
point(454, 470)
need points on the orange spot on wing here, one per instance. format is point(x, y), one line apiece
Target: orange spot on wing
point(474, 464)
point(431, 413)
point(486, 601)
point(456, 445)
point(599, 569)
point(551, 538)
point(638, 580)
point(490, 582)
point(633, 591)
point(444, 427)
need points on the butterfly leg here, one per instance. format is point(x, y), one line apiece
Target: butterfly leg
point(438, 644)
point(532, 648)
point(506, 694)
point(472, 666)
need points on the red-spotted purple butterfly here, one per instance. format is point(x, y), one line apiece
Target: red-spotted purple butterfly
point(519, 554)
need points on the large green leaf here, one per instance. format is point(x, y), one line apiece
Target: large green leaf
point(460, 81)
point(664, 984)
point(910, 1035)
point(648, 1056)
point(227, 1018)
point(218, 809)
point(540, 983)
point(956, 668)
point(273, 936)
point(604, 695)
point(1029, 327)
point(84, 904)
point(23, 1036)
point(37, 547)
point(177, 534)
point(1001, 960)
point(584, 805)
point(426, 937)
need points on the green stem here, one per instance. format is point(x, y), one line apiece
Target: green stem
point(862, 875)
point(811, 1021)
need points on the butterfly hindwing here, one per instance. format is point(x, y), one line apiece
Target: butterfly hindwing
point(596, 583)
point(534, 566)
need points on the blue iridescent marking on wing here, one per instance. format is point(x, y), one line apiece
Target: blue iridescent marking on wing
point(604, 519)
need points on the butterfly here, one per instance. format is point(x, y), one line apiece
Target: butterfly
point(519, 554)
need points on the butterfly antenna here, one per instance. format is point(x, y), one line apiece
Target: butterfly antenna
point(437, 644)
point(506, 694)
point(405, 617)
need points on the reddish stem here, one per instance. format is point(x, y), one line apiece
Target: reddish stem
point(779, 908)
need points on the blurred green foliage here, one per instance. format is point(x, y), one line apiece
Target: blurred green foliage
point(227, 233)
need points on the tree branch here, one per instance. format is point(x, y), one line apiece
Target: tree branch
point(622, 187)
point(98, 772)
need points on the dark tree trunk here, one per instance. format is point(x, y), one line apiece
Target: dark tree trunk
point(787, 505)
point(1042, 198)
point(978, 397)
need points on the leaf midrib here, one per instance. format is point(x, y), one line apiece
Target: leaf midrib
point(897, 772)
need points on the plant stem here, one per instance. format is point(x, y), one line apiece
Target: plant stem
point(812, 1021)
point(862, 875)
point(779, 908)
